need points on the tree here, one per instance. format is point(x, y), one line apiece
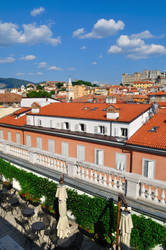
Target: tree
point(39, 94)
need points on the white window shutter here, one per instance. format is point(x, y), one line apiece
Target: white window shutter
point(105, 130)
point(80, 153)
point(62, 125)
point(51, 145)
point(9, 136)
point(145, 168)
point(85, 127)
point(57, 124)
point(39, 142)
point(151, 169)
point(28, 140)
point(65, 149)
point(18, 138)
point(76, 127)
point(96, 130)
point(1, 134)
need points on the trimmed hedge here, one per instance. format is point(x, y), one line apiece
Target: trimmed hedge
point(88, 211)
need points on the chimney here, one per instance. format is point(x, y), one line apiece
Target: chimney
point(35, 108)
point(112, 112)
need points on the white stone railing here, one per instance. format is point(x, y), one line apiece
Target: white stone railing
point(132, 185)
point(153, 191)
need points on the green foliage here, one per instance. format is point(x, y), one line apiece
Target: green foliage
point(39, 94)
point(81, 82)
point(39, 87)
point(59, 85)
point(146, 233)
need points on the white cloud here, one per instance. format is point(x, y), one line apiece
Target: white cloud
point(143, 35)
point(94, 63)
point(38, 11)
point(31, 74)
point(55, 68)
point(100, 56)
point(8, 59)
point(39, 73)
point(20, 74)
point(125, 41)
point(30, 34)
point(28, 58)
point(83, 47)
point(114, 49)
point(42, 65)
point(78, 32)
point(135, 47)
point(147, 50)
point(102, 28)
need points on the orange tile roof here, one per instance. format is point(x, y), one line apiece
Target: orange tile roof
point(152, 139)
point(158, 93)
point(13, 120)
point(94, 111)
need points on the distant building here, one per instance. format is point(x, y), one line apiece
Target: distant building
point(147, 75)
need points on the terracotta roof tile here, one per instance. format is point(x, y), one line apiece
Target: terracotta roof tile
point(144, 136)
point(94, 111)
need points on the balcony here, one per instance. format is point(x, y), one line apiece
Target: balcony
point(143, 194)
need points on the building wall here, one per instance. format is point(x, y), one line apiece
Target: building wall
point(160, 164)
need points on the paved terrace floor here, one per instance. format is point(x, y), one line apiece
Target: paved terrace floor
point(76, 242)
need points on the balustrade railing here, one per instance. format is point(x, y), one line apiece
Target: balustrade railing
point(132, 185)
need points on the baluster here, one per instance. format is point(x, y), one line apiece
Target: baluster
point(115, 182)
point(149, 193)
point(109, 180)
point(83, 173)
point(78, 170)
point(96, 177)
point(120, 184)
point(105, 179)
point(163, 196)
point(91, 175)
point(143, 190)
point(87, 174)
point(156, 194)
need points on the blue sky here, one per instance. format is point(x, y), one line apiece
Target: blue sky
point(95, 40)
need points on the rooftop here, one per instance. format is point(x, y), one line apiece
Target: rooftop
point(153, 133)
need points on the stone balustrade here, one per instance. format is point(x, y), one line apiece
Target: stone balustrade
point(133, 186)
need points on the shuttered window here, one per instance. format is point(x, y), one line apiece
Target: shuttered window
point(65, 149)
point(39, 142)
point(1, 134)
point(51, 145)
point(18, 138)
point(121, 161)
point(9, 136)
point(28, 140)
point(80, 153)
point(148, 168)
point(99, 157)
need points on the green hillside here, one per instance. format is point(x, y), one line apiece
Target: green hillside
point(12, 83)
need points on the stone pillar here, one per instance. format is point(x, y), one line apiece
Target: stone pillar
point(72, 169)
point(132, 190)
point(32, 157)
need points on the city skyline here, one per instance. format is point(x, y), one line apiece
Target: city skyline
point(95, 42)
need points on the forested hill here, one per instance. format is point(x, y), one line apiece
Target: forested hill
point(12, 83)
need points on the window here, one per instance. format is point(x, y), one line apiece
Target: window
point(39, 142)
point(51, 124)
point(9, 136)
point(28, 140)
point(65, 149)
point(120, 161)
point(18, 138)
point(51, 145)
point(148, 168)
point(124, 132)
point(99, 157)
point(82, 127)
point(1, 134)
point(66, 125)
point(39, 122)
point(101, 130)
point(80, 153)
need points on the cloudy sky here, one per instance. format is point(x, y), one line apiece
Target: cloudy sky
point(95, 40)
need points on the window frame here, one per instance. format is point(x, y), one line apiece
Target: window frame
point(143, 167)
point(97, 159)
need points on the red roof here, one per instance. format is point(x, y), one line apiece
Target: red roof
point(158, 93)
point(94, 111)
point(144, 136)
point(12, 119)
